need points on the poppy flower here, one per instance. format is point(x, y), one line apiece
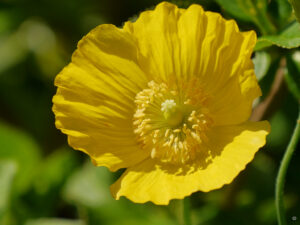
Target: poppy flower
point(167, 97)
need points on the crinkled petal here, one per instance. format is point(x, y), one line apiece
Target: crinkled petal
point(178, 45)
point(94, 103)
point(157, 37)
point(218, 54)
point(231, 148)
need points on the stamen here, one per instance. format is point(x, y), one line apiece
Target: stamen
point(170, 125)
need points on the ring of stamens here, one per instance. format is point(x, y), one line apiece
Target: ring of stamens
point(171, 122)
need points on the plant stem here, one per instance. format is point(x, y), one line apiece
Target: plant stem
point(187, 211)
point(279, 189)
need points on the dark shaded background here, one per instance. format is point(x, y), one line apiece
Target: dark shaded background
point(44, 182)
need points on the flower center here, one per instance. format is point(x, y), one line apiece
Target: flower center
point(171, 122)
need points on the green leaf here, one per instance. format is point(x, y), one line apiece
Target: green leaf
point(236, 8)
point(20, 147)
point(262, 62)
point(54, 221)
point(289, 38)
point(284, 12)
point(250, 10)
point(292, 77)
point(8, 171)
point(11, 51)
point(88, 187)
point(296, 7)
point(54, 170)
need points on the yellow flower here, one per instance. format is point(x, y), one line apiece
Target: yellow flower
point(167, 97)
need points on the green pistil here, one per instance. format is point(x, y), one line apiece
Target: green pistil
point(172, 113)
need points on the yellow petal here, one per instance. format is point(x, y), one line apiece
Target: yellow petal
point(157, 39)
point(216, 52)
point(178, 45)
point(231, 148)
point(94, 103)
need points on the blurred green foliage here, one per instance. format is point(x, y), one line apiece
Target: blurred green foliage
point(44, 182)
point(296, 6)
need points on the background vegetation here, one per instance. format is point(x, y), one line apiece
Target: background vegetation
point(44, 182)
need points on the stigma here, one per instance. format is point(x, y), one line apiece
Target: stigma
point(171, 112)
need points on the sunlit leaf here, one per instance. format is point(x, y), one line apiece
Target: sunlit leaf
point(12, 51)
point(262, 62)
point(289, 38)
point(89, 186)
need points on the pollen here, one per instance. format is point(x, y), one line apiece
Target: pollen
point(170, 121)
